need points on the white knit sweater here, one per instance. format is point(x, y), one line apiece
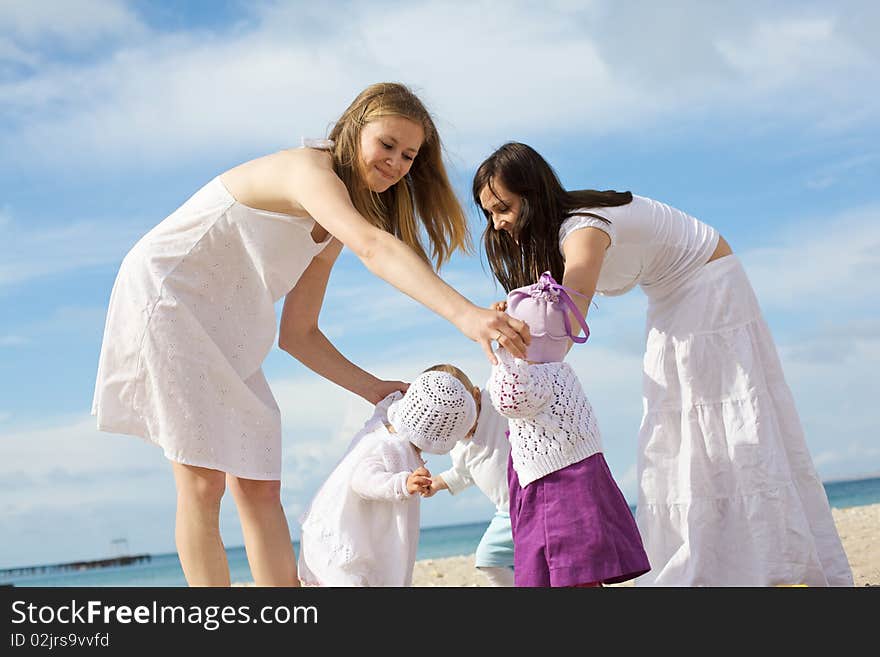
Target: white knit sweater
point(552, 424)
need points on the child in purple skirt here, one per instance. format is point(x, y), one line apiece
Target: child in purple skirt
point(571, 524)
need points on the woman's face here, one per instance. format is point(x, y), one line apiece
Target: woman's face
point(389, 145)
point(502, 205)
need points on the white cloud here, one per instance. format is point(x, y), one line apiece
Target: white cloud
point(514, 68)
point(782, 52)
point(27, 253)
point(819, 264)
point(834, 172)
point(72, 23)
point(12, 57)
point(68, 489)
point(73, 444)
point(180, 97)
point(848, 453)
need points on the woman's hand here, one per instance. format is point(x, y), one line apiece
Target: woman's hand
point(485, 326)
point(381, 389)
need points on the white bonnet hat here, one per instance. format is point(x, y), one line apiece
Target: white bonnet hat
point(435, 413)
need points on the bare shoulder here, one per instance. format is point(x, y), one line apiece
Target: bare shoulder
point(280, 164)
point(267, 182)
point(300, 158)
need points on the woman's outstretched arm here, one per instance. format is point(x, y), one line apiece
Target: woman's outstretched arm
point(313, 185)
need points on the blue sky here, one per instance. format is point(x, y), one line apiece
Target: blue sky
point(761, 120)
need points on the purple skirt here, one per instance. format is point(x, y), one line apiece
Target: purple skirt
point(573, 526)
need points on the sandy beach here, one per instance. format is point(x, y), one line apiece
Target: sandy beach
point(858, 526)
point(859, 529)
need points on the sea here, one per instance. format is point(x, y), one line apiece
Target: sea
point(434, 543)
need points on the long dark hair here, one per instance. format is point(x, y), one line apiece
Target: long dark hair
point(545, 205)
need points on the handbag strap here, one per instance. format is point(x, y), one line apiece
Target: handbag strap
point(565, 295)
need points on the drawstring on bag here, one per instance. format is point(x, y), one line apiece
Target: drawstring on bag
point(548, 289)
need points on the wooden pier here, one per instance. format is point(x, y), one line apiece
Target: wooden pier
point(49, 569)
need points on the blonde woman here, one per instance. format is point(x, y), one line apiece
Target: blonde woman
point(191, 315)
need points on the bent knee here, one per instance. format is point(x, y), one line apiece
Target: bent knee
point(255, 491)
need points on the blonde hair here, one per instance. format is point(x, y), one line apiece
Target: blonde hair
point(454, 371)
point(424, 194)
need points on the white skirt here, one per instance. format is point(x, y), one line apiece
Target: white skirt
point(728, 494)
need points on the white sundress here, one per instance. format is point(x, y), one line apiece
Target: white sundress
point(728, 493)
point(191, 319)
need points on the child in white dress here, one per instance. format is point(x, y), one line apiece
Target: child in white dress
point(362, 527)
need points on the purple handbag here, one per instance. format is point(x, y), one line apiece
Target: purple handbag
point(544, 306)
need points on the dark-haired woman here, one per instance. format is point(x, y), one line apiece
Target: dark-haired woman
point(728, 493)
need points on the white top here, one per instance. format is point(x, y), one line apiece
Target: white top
point(652, 245)
point(191, 319)
point(362, 526)
point(482, 460)
point(552, 424)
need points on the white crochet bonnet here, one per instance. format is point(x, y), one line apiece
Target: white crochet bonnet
point(435, 413)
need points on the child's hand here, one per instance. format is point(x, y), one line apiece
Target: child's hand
point(500, 306)
point(437, 483)
point(419, 481)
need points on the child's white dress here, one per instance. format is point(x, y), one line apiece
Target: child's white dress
point(362, 526)
point(190, 321)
